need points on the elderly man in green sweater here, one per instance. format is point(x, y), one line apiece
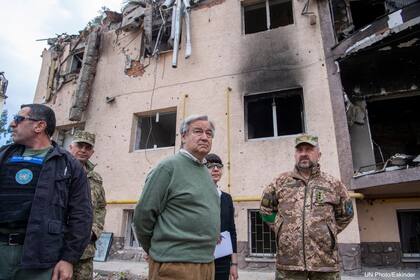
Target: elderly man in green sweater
point(177, 219)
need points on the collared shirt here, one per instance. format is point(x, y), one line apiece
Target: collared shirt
point(188, 154)
point(219, 191)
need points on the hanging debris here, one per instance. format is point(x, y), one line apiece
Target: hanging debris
point(163, 23)
point(180, 9)
point(80, 97)
point(132, 16)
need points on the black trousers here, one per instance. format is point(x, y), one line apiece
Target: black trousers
point(222, 268)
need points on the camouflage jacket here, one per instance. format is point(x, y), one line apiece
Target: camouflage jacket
point(306, 216)
point(98, 206)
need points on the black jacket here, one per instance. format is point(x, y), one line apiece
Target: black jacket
point(60, 222)
point(227, 223)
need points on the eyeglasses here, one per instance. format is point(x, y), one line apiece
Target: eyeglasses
point(211, 165)
point(18, 119)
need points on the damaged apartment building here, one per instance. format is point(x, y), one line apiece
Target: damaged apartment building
point(264, 71)
point(376, 57)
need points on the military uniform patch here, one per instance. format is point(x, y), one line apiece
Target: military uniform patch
point(269, 200)
point(319, 196)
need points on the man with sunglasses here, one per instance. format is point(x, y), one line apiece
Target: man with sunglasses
point(177, 218)
point(82, 148)
point(45, 208)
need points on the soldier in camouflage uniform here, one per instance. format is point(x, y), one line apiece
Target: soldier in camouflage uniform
point(306, 208)
point(82, 149)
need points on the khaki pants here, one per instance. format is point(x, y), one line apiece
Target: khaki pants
point(305, 275)
point(180, 271)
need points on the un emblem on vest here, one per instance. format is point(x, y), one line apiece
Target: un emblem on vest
point(24, 176)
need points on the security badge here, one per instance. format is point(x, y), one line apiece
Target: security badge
point(24, 176)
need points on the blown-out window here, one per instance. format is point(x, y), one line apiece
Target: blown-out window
point(266, 14)
point(155, 130)
point(274, 114)
point(76, 62)
point(64, 135)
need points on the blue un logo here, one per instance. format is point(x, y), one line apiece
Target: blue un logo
point(24, 176)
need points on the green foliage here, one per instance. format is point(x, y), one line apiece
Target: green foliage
point(122, 275)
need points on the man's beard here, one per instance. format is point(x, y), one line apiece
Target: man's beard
point(305, 166)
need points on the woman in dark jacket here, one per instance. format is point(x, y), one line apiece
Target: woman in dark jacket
point(228, 265)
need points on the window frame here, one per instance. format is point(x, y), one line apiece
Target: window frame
point(130, 240)
point(59, 135)
point(406, 257)
point(251, 3)
point(137, 132)
point(256, 254)
point(287, 91)
point(75, 57)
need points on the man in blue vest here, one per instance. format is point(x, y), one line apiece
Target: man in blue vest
point(45, 208)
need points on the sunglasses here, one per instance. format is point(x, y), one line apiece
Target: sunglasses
point(18, 119)
point(211, 165)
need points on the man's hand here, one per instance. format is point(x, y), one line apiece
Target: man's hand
point(233, 272)
point(62, 271)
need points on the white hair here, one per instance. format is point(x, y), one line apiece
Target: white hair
point(185, 125)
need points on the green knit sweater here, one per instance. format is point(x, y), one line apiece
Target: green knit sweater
point(178, 216)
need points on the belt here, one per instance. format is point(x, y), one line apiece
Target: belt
point(12, 238)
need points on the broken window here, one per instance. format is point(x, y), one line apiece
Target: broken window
point(409, 227)
point(158, 26)
point(156, 130)
point(263, 240)
point(395, 126)
point(129, 239)
point(161, 32)
point(64, 135)
point(274, 114)
point(364, 12)
point(76, 62)
point(351, 15)
point(264, 15)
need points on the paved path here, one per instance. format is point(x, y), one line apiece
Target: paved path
point(140, 269)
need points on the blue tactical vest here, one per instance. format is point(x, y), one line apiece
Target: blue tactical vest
point(18, 179)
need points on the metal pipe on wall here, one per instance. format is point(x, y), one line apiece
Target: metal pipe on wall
point(228, 91)
point(187, 13)
point(254, 198)
point(178, 21)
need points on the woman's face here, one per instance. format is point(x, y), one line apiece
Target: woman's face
point(215, 170)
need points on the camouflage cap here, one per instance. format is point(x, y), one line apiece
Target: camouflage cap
point(84, 136)
point(306, 138)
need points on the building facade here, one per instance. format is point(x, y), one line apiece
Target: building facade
point(264, 72)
